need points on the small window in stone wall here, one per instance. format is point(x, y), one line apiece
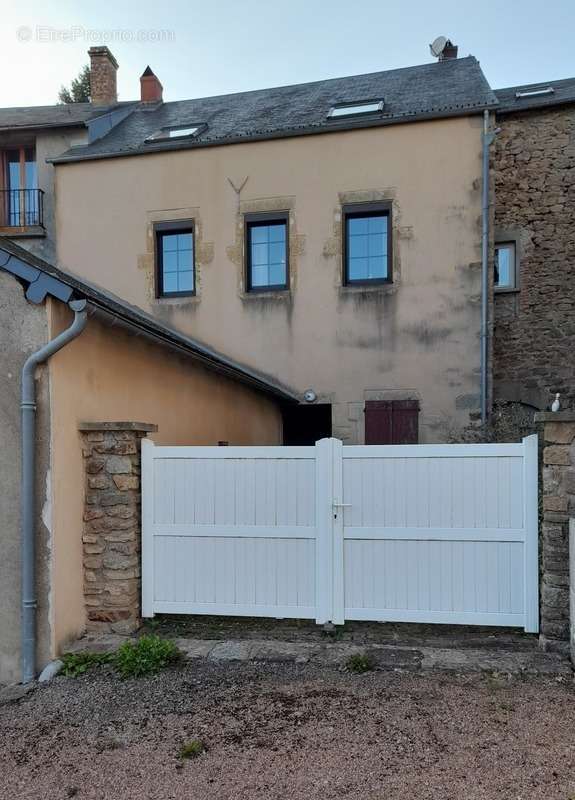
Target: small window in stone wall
point(504, 277)
point(175, 268)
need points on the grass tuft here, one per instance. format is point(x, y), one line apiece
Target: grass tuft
point(76, 664)
point(192, 749)
point(360, 663)
point(145, 656)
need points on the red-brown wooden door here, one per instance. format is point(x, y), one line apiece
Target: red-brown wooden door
point(391, 422)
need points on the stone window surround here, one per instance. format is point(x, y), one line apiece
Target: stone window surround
point(249, 218)
point(238, 255)
point(513, 236)
point(203, 254)
point(334, 246)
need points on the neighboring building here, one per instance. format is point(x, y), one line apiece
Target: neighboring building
point(534, 175)
point(328, 234)
point(31, 137)
point(124, 366)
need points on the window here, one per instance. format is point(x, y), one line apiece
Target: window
point(367, 243)
point(20, 196)
point(176, 133)
point(353, 109)
point(266, 251)
point(534, 92)
point(505, 266)
point(175, 259)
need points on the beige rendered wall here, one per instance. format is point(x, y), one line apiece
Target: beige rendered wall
point(108, 375)
point(416, 338)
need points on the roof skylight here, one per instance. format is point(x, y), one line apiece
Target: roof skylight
point(535, 92)
point(355, 109)
point(175, 133)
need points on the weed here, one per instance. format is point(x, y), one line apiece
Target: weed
point(76, 664)
point(146, 656)
point(359, 663)
point(192, 749)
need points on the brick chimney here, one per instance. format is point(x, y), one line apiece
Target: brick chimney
point(150, 87)
point(103, 67)
point(449, 51)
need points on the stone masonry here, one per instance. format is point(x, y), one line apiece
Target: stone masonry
point(112, 524)
point(558, 507)
point(103, 68)
point(534, 332)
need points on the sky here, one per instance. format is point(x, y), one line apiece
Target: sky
point(199, 49)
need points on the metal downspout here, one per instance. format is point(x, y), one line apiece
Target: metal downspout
point(487, 139)
point(28, 494)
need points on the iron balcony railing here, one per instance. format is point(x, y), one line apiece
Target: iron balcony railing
point(21, 208)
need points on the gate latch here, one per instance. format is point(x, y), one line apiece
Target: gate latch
point(340, 505)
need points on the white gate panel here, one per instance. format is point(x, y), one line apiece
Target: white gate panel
point(229, 531)
point(420, 533)
point(441, 533)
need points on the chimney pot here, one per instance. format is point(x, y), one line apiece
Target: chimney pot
point(150, 87)
point(449, 51)
point(103, 67)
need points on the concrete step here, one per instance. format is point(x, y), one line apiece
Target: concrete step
point(337, 654)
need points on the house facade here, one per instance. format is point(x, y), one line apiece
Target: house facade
point(534, 303)
point(327, 238)
point(328, 235)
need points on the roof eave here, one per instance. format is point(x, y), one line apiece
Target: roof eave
point(47, 127)
point(505, 110)
point(284, 134)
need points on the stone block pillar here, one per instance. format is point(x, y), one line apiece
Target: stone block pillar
point(572, 587)
point(112, 524)
point(558, 507)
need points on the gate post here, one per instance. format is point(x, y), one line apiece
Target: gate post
point(324, 530)
point(558, 506)
point(531, 506)
point(112, 529)
point(329, 532)
point(338, 616)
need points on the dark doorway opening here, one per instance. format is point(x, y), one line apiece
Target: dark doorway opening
point(304, 425)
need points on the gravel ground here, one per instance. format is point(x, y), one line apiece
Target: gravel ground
point(291, 731)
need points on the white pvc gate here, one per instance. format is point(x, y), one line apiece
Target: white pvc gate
point(408, 533)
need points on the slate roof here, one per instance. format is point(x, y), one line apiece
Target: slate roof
point(60, 116)
point(42, 278)
point(440, 89)
point(563, 92)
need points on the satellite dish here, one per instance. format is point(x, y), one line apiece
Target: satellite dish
point(438, 46)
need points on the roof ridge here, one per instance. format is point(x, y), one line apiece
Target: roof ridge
point(550, 82)
point(431, 64)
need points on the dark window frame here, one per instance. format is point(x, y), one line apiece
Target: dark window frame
point(251, 221)
point(160, 230)
point(360, 210)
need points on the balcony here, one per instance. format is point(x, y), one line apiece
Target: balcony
point(22, 212)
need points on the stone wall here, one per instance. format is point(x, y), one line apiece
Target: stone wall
point(112, 524)
point(534, 332)
point(558, 507)
point(572, 587)
point(103, 79)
